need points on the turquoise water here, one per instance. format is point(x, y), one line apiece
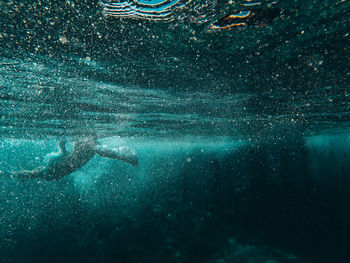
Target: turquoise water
point(238, 110)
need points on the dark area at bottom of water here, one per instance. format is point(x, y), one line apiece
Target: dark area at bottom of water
point(247, 206)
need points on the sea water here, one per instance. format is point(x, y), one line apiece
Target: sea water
point(238, 110)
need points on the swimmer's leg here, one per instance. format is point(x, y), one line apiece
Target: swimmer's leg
point(123, 153)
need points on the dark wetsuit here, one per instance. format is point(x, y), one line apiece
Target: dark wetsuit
point(65, 164)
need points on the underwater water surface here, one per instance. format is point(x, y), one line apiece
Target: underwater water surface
point(239, 112)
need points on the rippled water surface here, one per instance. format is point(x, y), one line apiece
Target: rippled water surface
point(68, 65)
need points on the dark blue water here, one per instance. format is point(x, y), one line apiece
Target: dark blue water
point(239, 112)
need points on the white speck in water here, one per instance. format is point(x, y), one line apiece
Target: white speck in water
point(63, 39)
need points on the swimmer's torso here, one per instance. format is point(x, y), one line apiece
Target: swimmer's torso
point(65, 164)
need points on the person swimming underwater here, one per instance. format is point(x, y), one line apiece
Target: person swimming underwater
point(66, 163)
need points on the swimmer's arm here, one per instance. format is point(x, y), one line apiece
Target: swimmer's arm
point(62, 145)
point(24, 174)
point(122, 153)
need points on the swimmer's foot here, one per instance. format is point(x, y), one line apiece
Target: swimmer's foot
point(129, 156)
